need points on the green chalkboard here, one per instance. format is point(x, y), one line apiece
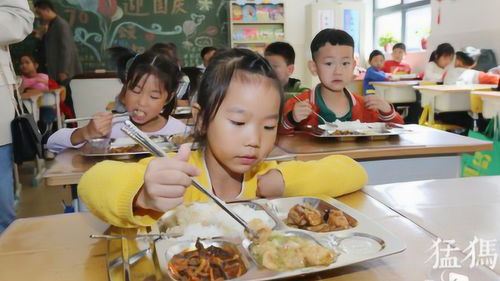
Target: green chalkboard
point(137, 24)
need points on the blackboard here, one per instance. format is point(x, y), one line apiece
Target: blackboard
point(137, 24)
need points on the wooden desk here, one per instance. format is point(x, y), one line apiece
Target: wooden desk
point(69, 166)
point(458, 209)
point(490, 105)
point(58, 248)
point(424, 153)
point(446, 98)
point(396, 91)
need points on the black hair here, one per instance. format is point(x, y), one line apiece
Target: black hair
point(44, 4)
point(132, 67)
point(167, 49)
point(282, 49)
point(375, 53)
point(465, 58)
point(332, 36)
point(207, 50)
point(223, 68)
point(30, 56)
point(401, 46)
point(444, 49)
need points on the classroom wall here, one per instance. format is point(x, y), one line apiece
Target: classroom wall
point(297, 35)
point(137, 24)
point(466, 23)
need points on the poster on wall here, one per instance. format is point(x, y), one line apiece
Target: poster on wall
point(352, 26)
point(325, 19)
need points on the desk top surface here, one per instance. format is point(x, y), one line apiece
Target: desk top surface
point(59, 248)
point(420, 141)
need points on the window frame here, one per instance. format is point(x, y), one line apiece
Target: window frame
point(401, 7)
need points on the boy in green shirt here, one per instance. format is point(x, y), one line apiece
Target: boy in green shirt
point(281, 56)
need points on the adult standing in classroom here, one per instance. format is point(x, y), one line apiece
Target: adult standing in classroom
point(17, 22)
point(61, 54)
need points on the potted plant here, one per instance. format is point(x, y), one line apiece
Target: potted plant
point(386, 41)
point(423, 34)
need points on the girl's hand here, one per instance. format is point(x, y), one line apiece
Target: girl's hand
point(376, 103)
point(271, 184)
point(99, 126)
point(165, 181)
point(301, 111)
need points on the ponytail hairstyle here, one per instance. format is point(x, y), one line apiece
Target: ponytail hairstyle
point(444, 49)
point(132, 67)
point(226, 66)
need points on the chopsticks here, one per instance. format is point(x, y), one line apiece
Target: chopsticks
point(143, 235)
point(90, 118)
point(132, 131)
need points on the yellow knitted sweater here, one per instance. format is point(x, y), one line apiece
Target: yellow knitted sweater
point(108, 188)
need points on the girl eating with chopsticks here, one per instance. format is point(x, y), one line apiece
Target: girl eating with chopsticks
point(238, 111)
point(148, 94)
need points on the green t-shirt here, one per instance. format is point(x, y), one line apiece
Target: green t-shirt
point(326, 113)
point(293, 88)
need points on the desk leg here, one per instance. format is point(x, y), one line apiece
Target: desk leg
point(39, 171)
point(58, 109)
point(74, 197)
point(431, 110)
point(78, 204)
point(475, 118)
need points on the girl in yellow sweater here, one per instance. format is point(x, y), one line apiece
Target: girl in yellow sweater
point(238, 110)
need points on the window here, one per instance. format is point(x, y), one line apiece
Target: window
point(406, 21)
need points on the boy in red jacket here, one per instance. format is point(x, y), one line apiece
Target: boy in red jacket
point(333, 61)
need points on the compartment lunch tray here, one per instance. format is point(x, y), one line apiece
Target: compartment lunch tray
point(366, 240)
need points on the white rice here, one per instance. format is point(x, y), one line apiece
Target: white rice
point(209, 220)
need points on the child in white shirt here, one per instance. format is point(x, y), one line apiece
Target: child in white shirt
point(463, 74)
point(440, 59)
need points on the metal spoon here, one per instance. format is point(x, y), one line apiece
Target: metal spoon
point(330, 124)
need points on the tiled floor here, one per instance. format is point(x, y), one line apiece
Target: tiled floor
point(39, 200)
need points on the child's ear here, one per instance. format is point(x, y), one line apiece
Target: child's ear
point(312, 67)
point(290, 69)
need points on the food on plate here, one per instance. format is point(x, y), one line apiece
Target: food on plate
point(207, 264)
point(277, 251)
point(309, 218)
point(189, 221)
point(343, 132)
point(349, 128)
point(126, 149)
point(180, 139)
point(128, 145)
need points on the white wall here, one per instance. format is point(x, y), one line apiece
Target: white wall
point(463, 23)
point(297, 35)
point(466, 23)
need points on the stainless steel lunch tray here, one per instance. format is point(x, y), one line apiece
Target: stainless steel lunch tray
point(101, 147)
point(366, 240)
point(382, 133)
